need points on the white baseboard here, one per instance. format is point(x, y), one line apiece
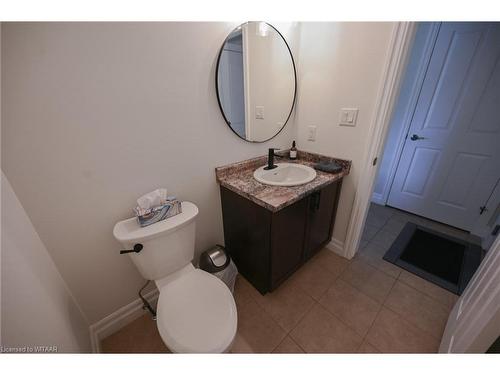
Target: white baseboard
point(378, 198)
point(336, 246)
point(118, 319)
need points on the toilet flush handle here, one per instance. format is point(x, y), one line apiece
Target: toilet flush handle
point(137, 249)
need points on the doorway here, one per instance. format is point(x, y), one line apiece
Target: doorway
point(381, 225)
point(442, 159)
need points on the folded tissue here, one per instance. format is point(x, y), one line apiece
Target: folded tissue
point(156, 206)
point(152, 199)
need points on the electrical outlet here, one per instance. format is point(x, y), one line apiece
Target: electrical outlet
point(311, 133)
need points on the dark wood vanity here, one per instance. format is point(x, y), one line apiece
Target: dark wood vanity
point(267, 246)
point(270, 231)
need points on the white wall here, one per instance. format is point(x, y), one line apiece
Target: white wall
point(340, 65)
point(96, 114)
point(37, 307)
point(402, 112)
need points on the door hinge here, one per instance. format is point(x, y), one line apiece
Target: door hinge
point(482, 209)
point(375, 161)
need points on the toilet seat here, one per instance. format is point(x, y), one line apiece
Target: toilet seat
point(196, 313)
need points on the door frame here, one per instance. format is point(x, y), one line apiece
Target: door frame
point(483, 226)
point(399, 51)
point(402, 37)
point(423, 64)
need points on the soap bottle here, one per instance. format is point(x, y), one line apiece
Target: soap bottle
point(293, 152)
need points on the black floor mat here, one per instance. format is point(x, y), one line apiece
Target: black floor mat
point(441, 259)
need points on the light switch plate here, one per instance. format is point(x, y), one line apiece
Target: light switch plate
point(311, 133)
point(259, 112)
point(348, 116)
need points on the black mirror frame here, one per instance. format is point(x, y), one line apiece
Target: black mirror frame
point(217, 86)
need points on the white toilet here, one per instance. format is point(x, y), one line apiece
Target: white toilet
point(196, 311)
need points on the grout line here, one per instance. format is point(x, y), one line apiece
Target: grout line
point(303, 317)
point(378, 256)
point(398, 279)
point(421, 291)
point(317, 303)
point(283, 339)
point(382, 305)
point(427, 295)
point(299, 321)
point(296, 343)
point(377, 232)
point(402, 316)
point(287, 333)
point(413, 324)
point(400, 273)
point(274, 321)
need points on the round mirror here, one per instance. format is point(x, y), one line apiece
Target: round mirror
point(256, 81)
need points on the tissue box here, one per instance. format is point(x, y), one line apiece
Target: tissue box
point(153, 215)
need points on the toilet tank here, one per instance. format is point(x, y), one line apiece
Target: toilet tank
point(168, 245)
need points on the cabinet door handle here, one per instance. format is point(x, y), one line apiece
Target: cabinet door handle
point(312, 202)
point(315, 200)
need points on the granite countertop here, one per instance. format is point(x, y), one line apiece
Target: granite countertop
point(238, 177)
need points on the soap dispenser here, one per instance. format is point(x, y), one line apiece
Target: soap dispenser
point(293, 152)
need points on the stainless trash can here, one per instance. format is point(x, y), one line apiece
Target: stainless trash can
point(217, 262)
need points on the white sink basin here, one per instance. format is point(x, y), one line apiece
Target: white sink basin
point(286, 174)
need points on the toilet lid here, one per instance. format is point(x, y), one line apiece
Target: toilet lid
point(197, 314)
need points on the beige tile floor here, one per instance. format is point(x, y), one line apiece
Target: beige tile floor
point(332, 305)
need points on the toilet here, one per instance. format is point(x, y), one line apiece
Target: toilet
point(196, 312)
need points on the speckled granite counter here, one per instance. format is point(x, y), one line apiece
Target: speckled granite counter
point(238, 177)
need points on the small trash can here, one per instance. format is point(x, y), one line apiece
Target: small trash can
point(217, 262)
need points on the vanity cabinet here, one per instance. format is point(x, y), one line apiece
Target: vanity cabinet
point(321, 216)
point(266, 246)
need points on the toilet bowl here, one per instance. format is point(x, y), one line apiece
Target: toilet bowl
point(196, 312)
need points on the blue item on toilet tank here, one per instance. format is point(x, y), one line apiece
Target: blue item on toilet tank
point(155, 214)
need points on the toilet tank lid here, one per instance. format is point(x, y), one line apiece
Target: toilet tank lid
point(130, 231)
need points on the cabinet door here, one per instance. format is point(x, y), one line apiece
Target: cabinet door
point(322, 206)
point(247, 236)
point(288, 228)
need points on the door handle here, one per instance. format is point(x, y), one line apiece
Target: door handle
point(416, 137)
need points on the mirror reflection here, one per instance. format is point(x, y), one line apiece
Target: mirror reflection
point(256, 81)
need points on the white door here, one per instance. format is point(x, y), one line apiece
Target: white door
point(451, 158)
point(474, 322)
